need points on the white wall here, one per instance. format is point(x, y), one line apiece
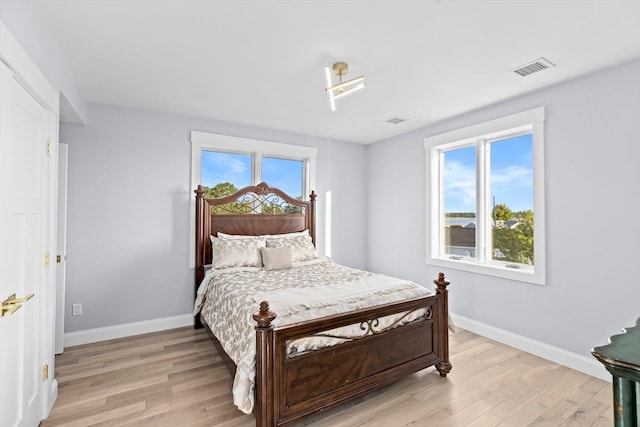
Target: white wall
point(128, 211)
point(592, 147)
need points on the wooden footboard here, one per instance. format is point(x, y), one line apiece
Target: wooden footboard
point(289, 388)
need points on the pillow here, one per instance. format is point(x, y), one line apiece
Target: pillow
point(237, 253)
point(276, 258)
point(214, 239)
point(302, 247)
point(277, 236)
point(284, 235)
point(226, 236)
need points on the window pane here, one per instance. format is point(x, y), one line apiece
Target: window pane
point(512, 199)
point(224, 173)
point(283, 174)
point(459, 228)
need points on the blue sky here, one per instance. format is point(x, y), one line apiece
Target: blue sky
point(511, 176)
point(217, 167)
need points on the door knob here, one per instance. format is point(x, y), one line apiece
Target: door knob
point(11, 304)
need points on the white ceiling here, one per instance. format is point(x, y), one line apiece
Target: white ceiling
point(261, 62)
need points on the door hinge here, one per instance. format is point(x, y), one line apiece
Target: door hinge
point(49, 148)
point(45, 372)
point(46, 259)
point(58, 259)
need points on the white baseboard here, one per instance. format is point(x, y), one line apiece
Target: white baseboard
point(555, 354)
point(126, 330)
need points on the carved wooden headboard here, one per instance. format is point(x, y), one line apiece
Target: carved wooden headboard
point(252, 211)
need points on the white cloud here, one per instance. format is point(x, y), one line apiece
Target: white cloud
point(460, 187)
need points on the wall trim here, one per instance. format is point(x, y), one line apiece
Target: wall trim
point(89, 336)
point(560, 356)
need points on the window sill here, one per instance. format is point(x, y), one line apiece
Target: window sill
point(535, 277)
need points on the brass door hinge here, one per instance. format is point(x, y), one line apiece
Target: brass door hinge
point(46, 259)
point(49, 148)
point(45, 372)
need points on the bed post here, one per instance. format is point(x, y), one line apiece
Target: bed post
point(199, 267)
point(312, 217)
point(264, 387)
point(444, 366)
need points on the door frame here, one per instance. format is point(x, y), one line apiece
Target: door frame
point(61, 246)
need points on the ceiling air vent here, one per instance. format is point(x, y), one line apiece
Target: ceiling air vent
point(533, 67)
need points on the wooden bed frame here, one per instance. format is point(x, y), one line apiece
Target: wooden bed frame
point(289, 388)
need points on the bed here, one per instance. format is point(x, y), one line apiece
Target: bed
point(299, 350)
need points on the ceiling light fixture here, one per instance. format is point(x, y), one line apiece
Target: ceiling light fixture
point(341, 88)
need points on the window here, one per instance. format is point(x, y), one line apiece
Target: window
point(227, 163)
point(487, 198)
point(224, 173)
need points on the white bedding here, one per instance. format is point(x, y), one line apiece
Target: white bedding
point(228, 298)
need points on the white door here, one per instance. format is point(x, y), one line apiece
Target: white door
point(24, 234)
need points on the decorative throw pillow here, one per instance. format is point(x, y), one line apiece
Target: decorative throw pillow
point(276, 258)
point(302, 247)
point(237, 253)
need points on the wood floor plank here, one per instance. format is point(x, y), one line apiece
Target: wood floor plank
point(178, 378)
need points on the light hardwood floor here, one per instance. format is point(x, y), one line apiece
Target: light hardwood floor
point(177, 378)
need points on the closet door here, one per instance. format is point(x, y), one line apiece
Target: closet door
point(24, 224)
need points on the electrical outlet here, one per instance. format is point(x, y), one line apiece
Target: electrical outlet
point(76, 309)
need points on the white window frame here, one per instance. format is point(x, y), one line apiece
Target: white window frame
point(204, 141)
point(479, 135)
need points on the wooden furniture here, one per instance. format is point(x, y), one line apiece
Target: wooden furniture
point(621, 357)
point(287, 389)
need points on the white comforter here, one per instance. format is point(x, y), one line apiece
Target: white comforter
point(228, 298)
